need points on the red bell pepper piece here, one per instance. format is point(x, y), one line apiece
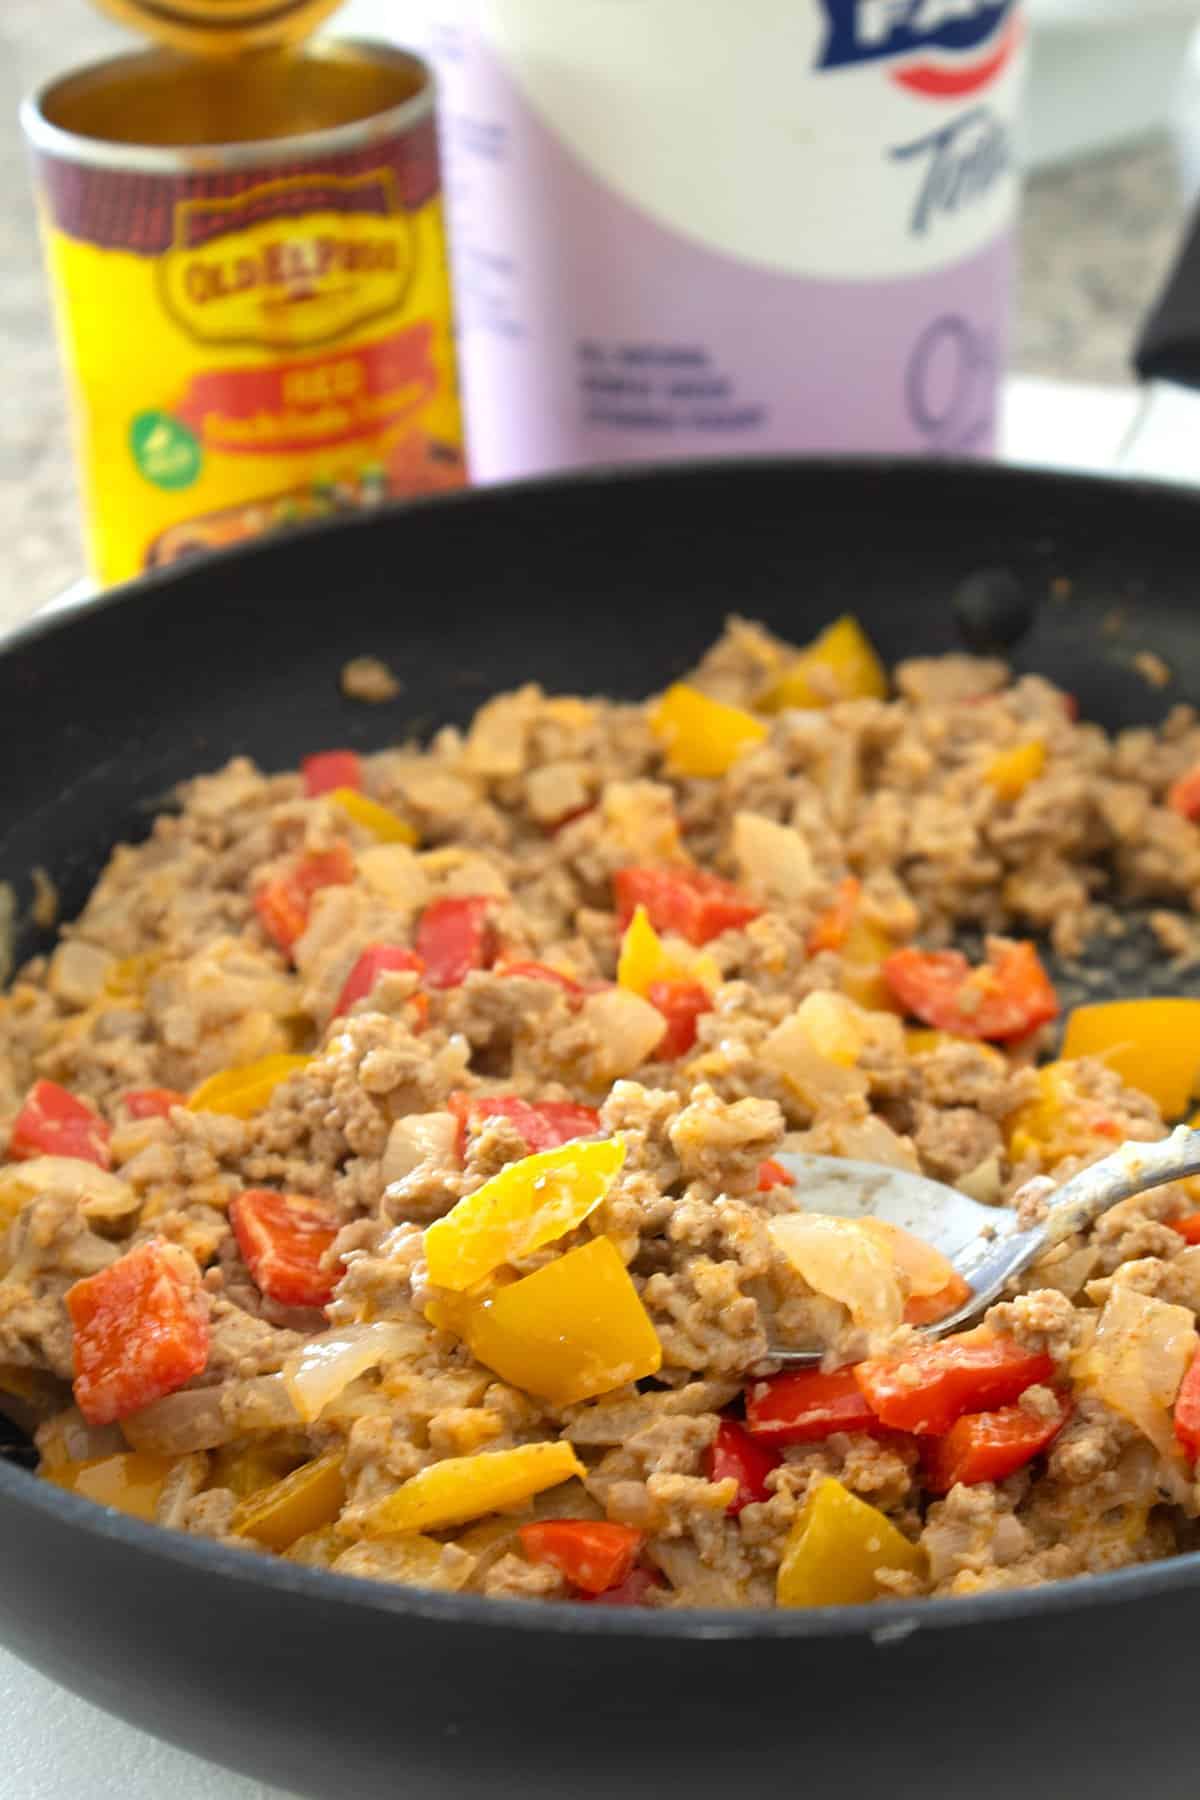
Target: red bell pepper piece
point(1187, 1410)
point(930, 1386)
point(1001, 999)
point(927, 1309)
point(330, 769)
point(690, 902)
point(376, 960)
point(681, 1003)
point(283, 1239)
point(592, 1554)
point(734, 1453)
point(544, 1124)
point(152, 1103)
point(52, 1122)
point(805, 1407)
point(1188, 1228)
point(454, 937)
point(773, 1174)
point(1183, 796)
point(140, 1331)
point(633, 1591)
point(988, 1446)
point(830, 929)
point(283, 903)
point(536, 971)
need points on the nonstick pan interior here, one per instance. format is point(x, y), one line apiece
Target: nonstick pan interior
point(606, 584)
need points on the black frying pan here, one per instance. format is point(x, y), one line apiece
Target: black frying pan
point(610, 584)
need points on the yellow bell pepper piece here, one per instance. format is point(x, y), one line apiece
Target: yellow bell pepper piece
point(244, 1091)
point(527, 1205)
point(130, 975)
point(467, 1487)
point(384, 825)
point(318, 1549)
point(645, 959)
point(702, 736)
point(132, 1481)
point(1153, 1045)
point(1060, 1121)
point(570, 1331)
point(863, 954)
point(1011, 771)
point(311, 1496)
point(843, 653)
point(251, 1468)
point(836, 1549)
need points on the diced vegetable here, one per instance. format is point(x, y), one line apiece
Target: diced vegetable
point(681, 1004)
point(544, 1124)
point(837, 1549)
point(633, 1591)
point(570, 1331)
point(841, 1260)
point(527, 1205)
point(251, 1466)
point(865, 950)
point(1186, 1417)
point(376, 960)
point(385, 826)
point(773, 859)
point(989, 1446)
point(1183, 795)
point(592, 1554)
point(735, 1456)
point(831, 928)
point(310, 1497)
point(323, 1368)
point(1153, 1045)
point(807, 1406)
point(132, 1481)
point(625, 1030)
point(773, 1174)
point(1060, 1120)
point(688, 902)
point(1139, 1355)
point(645, 961)
point(456, 935)
point(140, 1331)
point(283, 1239)
point(284, 902)
point(152, 1103)
point(244, 1091)
point(1004, 998)
point(536, 971)
point(1011, 771)
point(330, 769)
point(927, 1309)
point(467, 1487)
point(702, 736)
point(926, 1388)
point(839, 664)
point(934, 1285)
point(1188, 1227)
point(52, 1122)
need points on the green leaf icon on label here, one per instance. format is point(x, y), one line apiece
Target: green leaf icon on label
point(164, 449)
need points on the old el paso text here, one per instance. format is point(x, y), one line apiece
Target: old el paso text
point(296, 263)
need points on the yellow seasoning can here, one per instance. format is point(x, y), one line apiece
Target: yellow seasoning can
point(248, 262)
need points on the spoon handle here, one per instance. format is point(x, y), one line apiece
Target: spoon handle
point(1133, 1169)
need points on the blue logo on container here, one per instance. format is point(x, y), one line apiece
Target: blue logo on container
point(906, 31)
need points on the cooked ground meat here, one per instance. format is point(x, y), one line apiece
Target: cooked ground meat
point(252, 1100)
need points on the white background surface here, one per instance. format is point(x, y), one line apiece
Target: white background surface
point(55, 1747)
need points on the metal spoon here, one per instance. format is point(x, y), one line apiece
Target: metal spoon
point(988, 1245)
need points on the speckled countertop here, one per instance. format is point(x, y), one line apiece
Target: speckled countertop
point(1096, 239)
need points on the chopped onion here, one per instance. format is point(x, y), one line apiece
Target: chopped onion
point(627, 1030)
point(327, 1365)
point(925, 1270)
point(419, 1138)
point(393, 873)
point(98, 1194)
point(1139, 1355)
point(68, 1437)
point(873, 1140)
point(820, 1081)
point(772, 859)
point(839, 1259)
point(78, 971)
point(193, 1419)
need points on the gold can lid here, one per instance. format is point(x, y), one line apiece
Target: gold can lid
point(221, 27)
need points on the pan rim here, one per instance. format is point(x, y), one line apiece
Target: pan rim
point(886, 1624)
